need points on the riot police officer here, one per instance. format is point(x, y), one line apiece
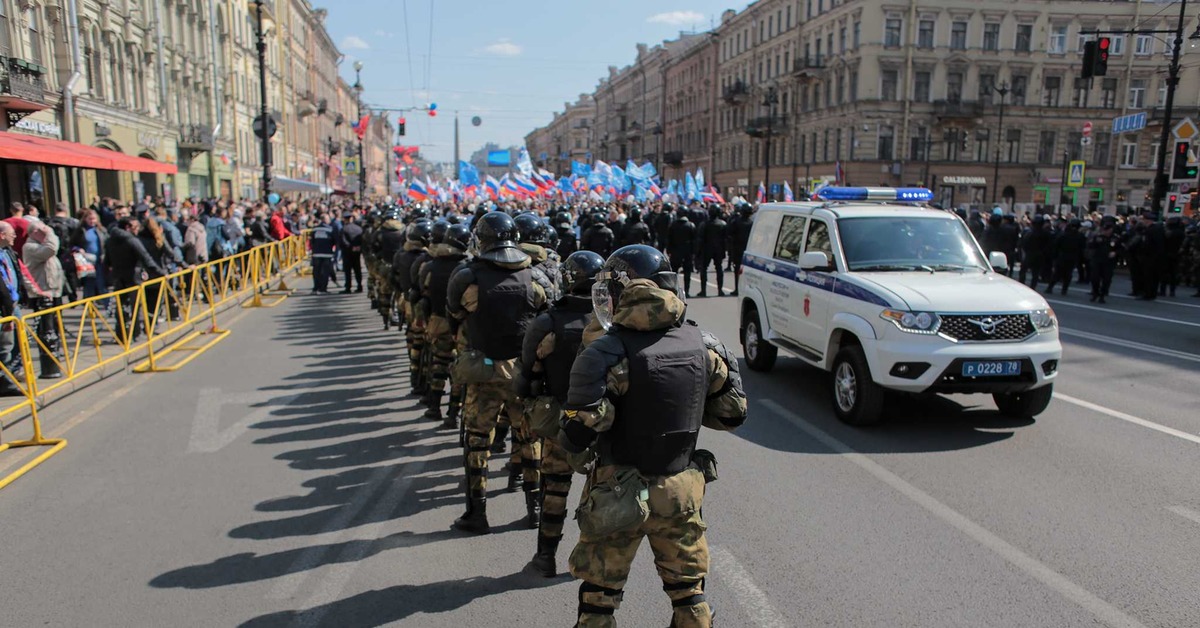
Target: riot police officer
point(441, 328)
point(1068, 253)
point(636, 230)
point(498, 294)
point(387, 243)
point(638, 397)
point(1104, 248)
point(418, 237)
point(681, 247)
point(739, 239)
point(597, 238)
point(712, 250)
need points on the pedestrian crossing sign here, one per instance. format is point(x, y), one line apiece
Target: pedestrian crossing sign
point(1075, 174)
point(350, 165)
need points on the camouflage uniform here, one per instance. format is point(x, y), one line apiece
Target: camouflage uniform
point(414, 332)
point(389, 232)
point(441, 329)
point(370, 232)
point(674, 527)
point(486, 401)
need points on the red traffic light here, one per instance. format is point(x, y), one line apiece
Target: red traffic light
point(1105, 42)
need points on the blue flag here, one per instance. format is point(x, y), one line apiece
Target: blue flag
point(580, 169)
point(691, 191)
point(673, 187)
point(468, 174)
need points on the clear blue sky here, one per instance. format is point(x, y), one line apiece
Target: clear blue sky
point(513, 62)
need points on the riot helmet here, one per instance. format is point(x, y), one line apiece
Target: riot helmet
point(496, 238)
point(438, 234)
point(532, 229)
point(458, 237)
point(579, 271)
point(420, 231)
point(635, 261)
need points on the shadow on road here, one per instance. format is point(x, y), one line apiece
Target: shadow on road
point(912, 424)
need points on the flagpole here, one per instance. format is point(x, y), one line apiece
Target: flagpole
point(457, 170)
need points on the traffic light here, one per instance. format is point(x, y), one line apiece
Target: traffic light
point(1089, 59)
point(1100, 60)
point(1173, 203)
point(963, 143)
point(1181, 170)
point(400, 124)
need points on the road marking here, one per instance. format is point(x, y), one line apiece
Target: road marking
point(1117, 414)
point(753, 601)
point(1129, 344)
point(1103, 611)
point(1166, 300)
point(287, 586)
point(329, 589)
point(207, 436)
point(1123, 313)
point(1186, 513)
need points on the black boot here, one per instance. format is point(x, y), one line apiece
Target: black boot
point(414, 380)
point(475, 519)
point(434, 412)
point(514, 478)
point(498, 445)
point(453, 409)
point(533, 505)
point(543, 560)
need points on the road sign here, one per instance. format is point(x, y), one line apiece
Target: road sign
point(350, 166)
point(1185, 130)
point(1085, 141)
point(1087, 129)
point(270, 129)
point(1131, 122)
point(1075, 171)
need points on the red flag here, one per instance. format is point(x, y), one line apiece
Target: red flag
point(360, 127)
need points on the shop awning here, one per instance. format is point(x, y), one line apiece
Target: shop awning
point(41, 150)
point(285, 184)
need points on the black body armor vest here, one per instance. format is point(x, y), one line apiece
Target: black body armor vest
point(506, 308)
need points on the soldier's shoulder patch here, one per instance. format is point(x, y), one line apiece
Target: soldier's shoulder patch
point(571, 413)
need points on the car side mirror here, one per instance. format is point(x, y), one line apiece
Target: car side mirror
point(814, 260)
point(998, 260)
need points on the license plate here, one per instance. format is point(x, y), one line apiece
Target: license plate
point(997, 368)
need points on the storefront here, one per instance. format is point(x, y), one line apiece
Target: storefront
point(149, 144)
point(962, 191)
point(30, 183)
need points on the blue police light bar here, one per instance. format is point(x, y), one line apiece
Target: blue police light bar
point(908, 195)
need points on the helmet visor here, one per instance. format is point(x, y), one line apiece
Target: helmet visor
point(602, 301)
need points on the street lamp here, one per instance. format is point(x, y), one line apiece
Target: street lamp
point(362, 133)
point(1001, 89)
point(260, 32)
point(769, 100)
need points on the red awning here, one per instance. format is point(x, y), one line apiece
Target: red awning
point(41, 150)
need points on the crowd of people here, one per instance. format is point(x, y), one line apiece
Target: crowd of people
point(1050, 250)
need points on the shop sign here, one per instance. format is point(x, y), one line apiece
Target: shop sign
point(147, 140)
point(951, 180)
point(48, 129)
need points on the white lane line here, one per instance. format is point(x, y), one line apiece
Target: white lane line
point(1166, 300)
point(1186, 513)
point(1129, 344)
point(287, 586)
point(1117, 414)
point(329, 589)
point(1103, 611)
point(1148, 317)
point(753, 601)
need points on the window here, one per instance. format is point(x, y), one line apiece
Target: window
point(857, 34)
point(35, 36)
point(5, 40)
point(1013, 138)
point(791, 235)
point(1075, 145)
point(853, 85)
point(987, 82)
point(1020, 86)
point(1117, 45)
point(1108, 93)
point(1024, 37)
point(1046, 147)
point(921, 87)
point(925, 34)
point(1079, 96)
point(825, 147)
point(886, 142)
point(958, 36)
point(789, 16)
point(818, 239)
point(888, 90)
point(1128, 155)
point(842, 38)
point(1143, 45)
point(1058, 40)
point(1103, 143)
point(1162, 95)
point(1051, 87)
point(954, 86)
point(982, 137)
point(891, 31)
point(1137, 93)
point(916, 145)
point(991, 36)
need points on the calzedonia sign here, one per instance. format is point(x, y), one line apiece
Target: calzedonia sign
point(948, 180)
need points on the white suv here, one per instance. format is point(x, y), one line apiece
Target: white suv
point(892, 296)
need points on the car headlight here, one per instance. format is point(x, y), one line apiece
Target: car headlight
point(1043, 320)
point(913, 322)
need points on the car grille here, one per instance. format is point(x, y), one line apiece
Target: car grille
point(1008, 327)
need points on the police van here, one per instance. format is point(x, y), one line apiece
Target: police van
point(889, 295)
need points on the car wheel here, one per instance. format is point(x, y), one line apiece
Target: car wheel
point(1026, 404)
point(857, 399)
point(760, 354)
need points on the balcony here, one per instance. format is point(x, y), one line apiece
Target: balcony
point(766, 125)
point(673, 158)
point(196, 137)
point(808, 68)
point(736, 94)
point(22, 86)
point(952, 109)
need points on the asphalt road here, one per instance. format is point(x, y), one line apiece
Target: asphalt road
point(286, 479)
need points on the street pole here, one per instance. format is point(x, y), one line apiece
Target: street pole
point(771, 99)
point(261, 44)
point(1062, 195)
point(1001, 89)
point(928, 157)
point(1160, 172)
point(362, 155)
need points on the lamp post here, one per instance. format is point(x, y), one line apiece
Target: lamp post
point(261, 45)
point(1160, 173)
point(769, 101)
point(658, 154)
point(362, 155)
point(1001, 89)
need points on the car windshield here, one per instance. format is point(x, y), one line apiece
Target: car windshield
point(904, 243)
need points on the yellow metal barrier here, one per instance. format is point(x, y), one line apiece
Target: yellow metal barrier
point(87, 335)
point(27, 389)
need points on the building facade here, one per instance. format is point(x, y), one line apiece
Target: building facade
point(567, 138)
point(689, 106)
